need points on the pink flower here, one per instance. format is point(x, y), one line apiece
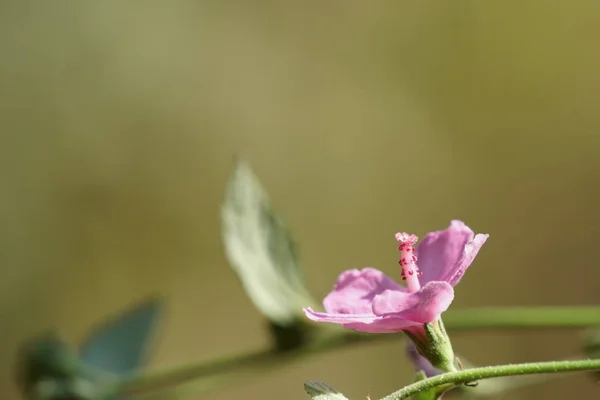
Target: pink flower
point(368, 301)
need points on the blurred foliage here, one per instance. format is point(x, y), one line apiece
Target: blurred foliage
point(260, 249)
point(49, 369)
point(322, 391)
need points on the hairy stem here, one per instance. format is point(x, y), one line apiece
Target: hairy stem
point(475, 374)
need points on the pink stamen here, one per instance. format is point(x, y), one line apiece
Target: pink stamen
point(408, 261)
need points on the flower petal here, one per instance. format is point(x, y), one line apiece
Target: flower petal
point(355, 290)
point(368, 323)
point(338, 318)
point(442, 254)
point(469, 254)
point(383, 325)
point(423, 306)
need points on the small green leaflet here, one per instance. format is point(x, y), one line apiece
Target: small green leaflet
point(322, 391)
point(260, 249)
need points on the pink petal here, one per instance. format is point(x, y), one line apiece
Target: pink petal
point(355, 290)
point(338, 318)
point(368, 323)
point(423, 306)
point(471, 250)
point(445, 255)
point(384, 325)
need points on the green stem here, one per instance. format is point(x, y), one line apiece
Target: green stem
point(475, 374)
point(457, 320)
point(506, 384)
point(522, 317)
point(492, 388)
point(255, 362)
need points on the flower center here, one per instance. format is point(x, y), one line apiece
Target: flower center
point(408, 261)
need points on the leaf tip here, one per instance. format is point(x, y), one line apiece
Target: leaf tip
point(322, 391)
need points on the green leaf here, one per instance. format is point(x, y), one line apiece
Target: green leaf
point(120, 343)
point(48, 368)
point(322, 391)
point(260, 249)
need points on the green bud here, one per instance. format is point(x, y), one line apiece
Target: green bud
point(432, 342)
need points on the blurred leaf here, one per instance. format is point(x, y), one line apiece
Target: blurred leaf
point(322, 391)
point(77, 388)
point(119, 345)
point(260, 249)
point(45, 356)
point(49, 369)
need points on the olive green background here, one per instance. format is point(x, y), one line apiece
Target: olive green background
point(119, 122)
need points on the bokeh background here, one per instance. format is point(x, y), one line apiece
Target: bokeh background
point(119, 122)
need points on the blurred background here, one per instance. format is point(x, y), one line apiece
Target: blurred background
point(119, 123)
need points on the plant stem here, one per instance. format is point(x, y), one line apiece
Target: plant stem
point(522, 317)
point(457, 320)
point(507, 384)
point(492, 388)
point(257, 362)
point(475, 374)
